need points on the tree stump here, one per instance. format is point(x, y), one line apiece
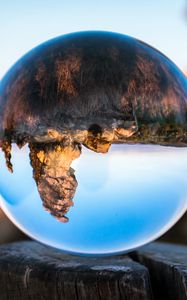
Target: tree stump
point(29, 270)
point(167, 265)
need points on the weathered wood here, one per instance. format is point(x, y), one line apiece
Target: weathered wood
point(29, 270)
point(167, 265)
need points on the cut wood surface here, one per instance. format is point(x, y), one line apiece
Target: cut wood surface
point(167, 265)
point(29, 270)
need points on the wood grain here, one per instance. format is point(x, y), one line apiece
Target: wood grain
point(29, 270)
point(167, 265)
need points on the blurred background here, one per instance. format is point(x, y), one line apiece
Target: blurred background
point(25, 24)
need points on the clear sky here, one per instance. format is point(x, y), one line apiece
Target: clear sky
point(24, 24)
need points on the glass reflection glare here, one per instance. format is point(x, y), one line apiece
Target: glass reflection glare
point(124, 199)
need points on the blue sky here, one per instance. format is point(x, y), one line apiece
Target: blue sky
point(128, 197)
point(24, 24)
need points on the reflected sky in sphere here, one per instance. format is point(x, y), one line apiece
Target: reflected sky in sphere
point(124, 199)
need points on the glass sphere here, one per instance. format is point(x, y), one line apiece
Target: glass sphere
point(93, 126)
point(124, 199)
